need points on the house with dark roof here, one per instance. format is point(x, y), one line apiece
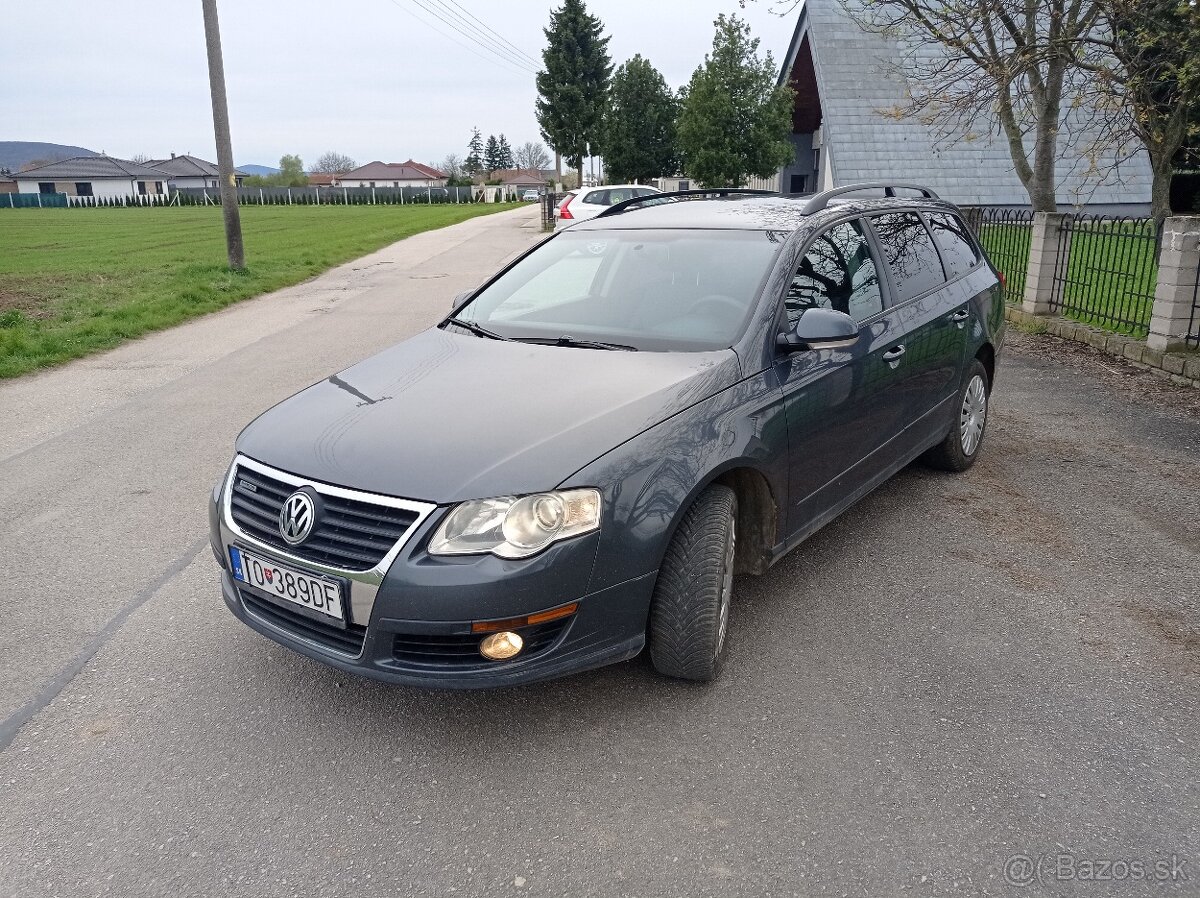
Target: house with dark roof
point(94, 176)
point(392, 174)
point(845, 129)
point(192, 171)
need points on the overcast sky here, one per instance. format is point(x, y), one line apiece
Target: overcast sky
point(368, 78)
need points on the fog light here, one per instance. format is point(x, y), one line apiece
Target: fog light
point(501, 646)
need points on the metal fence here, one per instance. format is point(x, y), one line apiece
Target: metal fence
point(1192, 338)
point(331, 196)
point(32, 200)
point(549, 202)
point(1005, 235)
point(1106, 270)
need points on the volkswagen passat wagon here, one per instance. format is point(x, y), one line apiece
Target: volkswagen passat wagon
point(575, 464)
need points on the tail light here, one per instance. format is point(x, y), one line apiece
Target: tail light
point(1003, 280)
point(564, 211)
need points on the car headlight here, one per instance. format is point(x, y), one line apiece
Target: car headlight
point(516, 527)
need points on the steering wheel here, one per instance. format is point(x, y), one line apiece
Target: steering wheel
point(727, 303)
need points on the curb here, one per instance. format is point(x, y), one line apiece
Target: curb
point(1180, 367)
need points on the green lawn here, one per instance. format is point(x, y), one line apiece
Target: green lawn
point(76, 281)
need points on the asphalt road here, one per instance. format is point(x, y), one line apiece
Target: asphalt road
point(961, 670)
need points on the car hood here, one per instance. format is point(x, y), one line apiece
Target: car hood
point(444, 417)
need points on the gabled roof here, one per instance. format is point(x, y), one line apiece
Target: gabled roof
point(320, 179)
point(854, 74)
point(91, 168)
point(186, 166)
point(520, 176)
point(392, 171)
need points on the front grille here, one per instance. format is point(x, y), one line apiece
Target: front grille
point(348, 641)
point(348, 534)
point(461, 650)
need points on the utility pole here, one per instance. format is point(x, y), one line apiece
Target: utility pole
point(220, 107)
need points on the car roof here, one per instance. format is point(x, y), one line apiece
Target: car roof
point(754, 212)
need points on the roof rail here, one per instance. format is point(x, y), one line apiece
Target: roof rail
point(821, 200)
point(656, 198)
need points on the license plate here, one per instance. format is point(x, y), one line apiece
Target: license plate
point(287, 583)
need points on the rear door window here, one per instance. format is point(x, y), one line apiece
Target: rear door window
point(958, 252)
point(837, 272)
point(914, 262)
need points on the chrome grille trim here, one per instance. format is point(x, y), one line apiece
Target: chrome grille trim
point(364, 584)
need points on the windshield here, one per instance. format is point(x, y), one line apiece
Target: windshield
point(658, 290)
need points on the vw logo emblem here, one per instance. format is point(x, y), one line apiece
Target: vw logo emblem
point(296, 518)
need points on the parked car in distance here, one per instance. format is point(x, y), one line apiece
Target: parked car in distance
point(580, 205)
point(575, 464)
point(531, 196)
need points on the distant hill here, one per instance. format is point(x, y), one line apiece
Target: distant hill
point(15, 153)
point(258, 169)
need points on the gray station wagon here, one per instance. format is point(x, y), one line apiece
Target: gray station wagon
point(576, 463)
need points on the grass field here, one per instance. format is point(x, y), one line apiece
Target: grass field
point(76, 281)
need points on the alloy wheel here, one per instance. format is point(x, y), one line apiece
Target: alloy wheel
point(973, 415)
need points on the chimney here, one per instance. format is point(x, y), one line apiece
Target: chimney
point(172, 155)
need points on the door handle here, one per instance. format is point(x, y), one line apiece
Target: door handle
point(960, 317)
point(892, 356)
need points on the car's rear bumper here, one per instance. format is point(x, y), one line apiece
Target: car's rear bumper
point(609, 626)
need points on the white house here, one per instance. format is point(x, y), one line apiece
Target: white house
point(191, 171)
point(94, 176)
point(392, 174)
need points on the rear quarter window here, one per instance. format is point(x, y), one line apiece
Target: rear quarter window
point(958, 252)
point(914, 262)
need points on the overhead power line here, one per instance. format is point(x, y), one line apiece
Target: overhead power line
point(491, 42)
point(488, 44)
point(472, 47)
point(491, 31)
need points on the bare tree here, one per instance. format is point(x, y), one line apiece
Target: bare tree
point(216, 83)
point(333, 163)
point(531, 155)
point(970, 63)
point(139, 158)
point(1145, 84)
point(451, 166)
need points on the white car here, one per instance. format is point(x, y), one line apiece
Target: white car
point(530, 196)
point(580, 205)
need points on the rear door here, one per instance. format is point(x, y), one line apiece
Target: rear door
point(843, 405)
point(591, 203)
point(930, 313)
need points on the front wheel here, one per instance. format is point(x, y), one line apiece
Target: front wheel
point(958, 451)
point(689, 614)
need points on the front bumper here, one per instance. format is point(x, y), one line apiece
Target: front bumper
point(609, 626)
point(409, 619)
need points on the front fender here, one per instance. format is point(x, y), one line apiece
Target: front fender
point(650, 480)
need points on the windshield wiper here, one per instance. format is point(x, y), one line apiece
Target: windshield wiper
point(568, 340)
point(477, 330)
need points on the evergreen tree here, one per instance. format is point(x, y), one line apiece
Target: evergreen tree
point(573, 86)
point(473, 164)
point(491, 155)
point(506, 153)
point(734, 121)
point(639, 126)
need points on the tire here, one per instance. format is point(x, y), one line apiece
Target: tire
point(959, 449)
point(689, 613)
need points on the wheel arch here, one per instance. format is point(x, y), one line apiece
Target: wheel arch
point(986, 354)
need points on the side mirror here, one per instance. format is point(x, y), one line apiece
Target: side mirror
point(460, 299)
point(820, 329)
